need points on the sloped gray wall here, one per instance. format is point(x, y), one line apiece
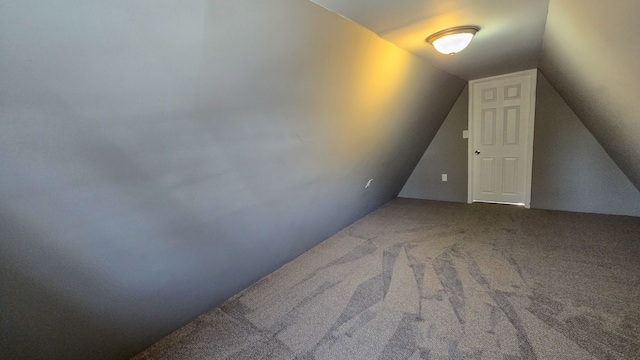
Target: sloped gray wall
point(571, 170)
point(159, 156)
point(591, 58)
point(447, 154)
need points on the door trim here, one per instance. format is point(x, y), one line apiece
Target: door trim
point(528, 147)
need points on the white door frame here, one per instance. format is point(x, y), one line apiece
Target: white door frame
point(528, 147)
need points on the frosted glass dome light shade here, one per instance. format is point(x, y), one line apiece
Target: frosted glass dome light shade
point(453, 40)
point(452, 44)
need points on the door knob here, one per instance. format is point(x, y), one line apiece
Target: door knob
point(477, 152)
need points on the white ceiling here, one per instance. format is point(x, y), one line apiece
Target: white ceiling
point(510, 38)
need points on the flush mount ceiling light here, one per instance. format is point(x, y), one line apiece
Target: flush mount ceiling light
point(452, 40)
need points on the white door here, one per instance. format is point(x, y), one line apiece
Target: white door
point(501, 117)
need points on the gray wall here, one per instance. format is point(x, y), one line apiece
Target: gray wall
point(590, 60)
point(447, 154)
point(571, 170)
point(159, 156)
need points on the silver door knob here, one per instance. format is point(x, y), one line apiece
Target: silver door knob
point(477, 152)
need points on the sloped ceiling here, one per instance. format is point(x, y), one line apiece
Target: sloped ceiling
point(510, 38)
point(591, 56)
point(587, 49)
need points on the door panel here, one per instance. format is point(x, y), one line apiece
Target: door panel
point(500, 122)
point(487, 172)
point(489, 95)
point(488, 127)
point(511, 125)
point(510, 176)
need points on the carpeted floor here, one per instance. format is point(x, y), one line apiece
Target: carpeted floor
point(433, 280)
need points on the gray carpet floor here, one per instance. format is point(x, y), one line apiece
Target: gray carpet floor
point(433, 280)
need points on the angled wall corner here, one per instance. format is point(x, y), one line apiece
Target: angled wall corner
point(590, 60)
point(446, 154)
point(571, 170)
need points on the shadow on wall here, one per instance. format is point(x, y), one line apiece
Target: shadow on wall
point(88, 237)
point(25, 299)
